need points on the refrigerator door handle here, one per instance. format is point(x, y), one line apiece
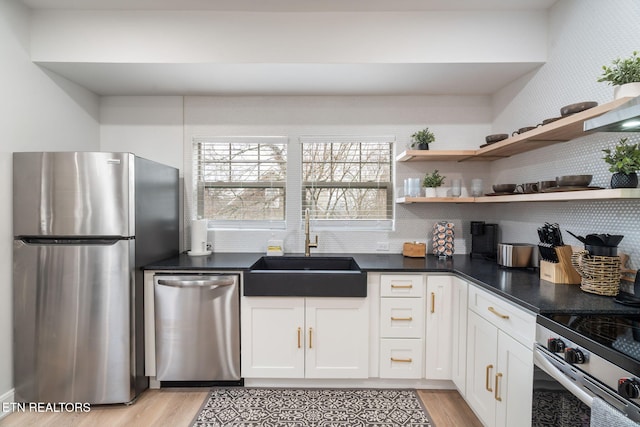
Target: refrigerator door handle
point(196, 283)
point(66, 241)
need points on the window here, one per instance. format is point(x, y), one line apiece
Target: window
point(347, 181)
point(240, 182)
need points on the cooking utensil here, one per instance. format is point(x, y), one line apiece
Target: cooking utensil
point(504, 188)
point(574, 180)
point(598, 250)
point(576, 108)
point(496, 137)
point(577, 237)
point(611, 240)
point(547, 252)
point(523, 130)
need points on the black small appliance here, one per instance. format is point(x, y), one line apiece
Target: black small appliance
point(484, 240)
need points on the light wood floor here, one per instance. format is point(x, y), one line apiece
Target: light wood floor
point(178, 407)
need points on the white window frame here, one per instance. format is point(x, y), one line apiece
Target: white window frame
point(353, 224)
point(192, 189)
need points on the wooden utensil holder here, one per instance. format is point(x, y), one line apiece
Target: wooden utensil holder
point(562, 271)
point(414, 249)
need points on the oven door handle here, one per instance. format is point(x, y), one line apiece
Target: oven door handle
point(540, 359)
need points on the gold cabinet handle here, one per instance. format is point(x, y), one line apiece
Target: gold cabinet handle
point(299, 333)
point(497, 313)
point(433, 302)
point(310, 337)
point(401, 286)
point(408, 319)
point(487, 384)
point(497, 393)
point(409, 360)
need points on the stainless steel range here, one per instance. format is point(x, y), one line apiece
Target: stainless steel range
point(580, 358)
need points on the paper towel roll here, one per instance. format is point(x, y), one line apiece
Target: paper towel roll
point(199, 235)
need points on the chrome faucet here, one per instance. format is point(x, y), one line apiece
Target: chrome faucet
point(307, 241)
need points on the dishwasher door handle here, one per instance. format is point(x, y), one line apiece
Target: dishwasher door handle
point(196, 283)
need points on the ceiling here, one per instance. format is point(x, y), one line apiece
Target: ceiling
point(291, 78)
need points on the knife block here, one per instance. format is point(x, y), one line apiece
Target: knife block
point(561, 271)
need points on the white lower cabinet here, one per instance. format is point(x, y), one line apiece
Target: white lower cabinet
point(439, 331)
point(402, 324)
point(499, 373)
point(459, 335)
point(401, 358)
point(294, 337)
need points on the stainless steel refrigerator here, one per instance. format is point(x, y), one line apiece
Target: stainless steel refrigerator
point(84, 223)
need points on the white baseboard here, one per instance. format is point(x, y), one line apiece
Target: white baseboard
point(5, 402)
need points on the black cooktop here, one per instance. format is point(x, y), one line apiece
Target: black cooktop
point(615, 337)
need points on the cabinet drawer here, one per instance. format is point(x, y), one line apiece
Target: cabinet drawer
point(401, 285)
point(514, 321)
point(401, 318)
point(401, 358)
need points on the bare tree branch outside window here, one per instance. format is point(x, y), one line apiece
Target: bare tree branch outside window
point(347, 180)
point(240, 180)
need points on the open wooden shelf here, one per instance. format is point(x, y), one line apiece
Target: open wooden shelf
point(564, 196)
point(561, 130)
point(409, 200)
point(435, 155)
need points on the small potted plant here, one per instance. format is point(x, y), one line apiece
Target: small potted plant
point(624, 162)
point(422, 139)
point(430, 182)
point(623, 75)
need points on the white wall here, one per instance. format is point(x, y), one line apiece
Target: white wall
point(38, 112)
point(584, 35)
point(150, 127)
point(266, 37)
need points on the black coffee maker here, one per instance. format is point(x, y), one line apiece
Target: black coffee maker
point(484, 240)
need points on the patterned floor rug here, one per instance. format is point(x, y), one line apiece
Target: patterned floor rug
point(265, 407)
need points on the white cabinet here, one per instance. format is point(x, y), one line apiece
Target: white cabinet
point(337, 343)
point(459, 335)
point(402, 325)
point(439, 331)
point(304, 337)
point(499, 360)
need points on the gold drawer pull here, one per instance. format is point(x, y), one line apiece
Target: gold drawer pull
point(497, 313)
point(433, 302)
point(310, 337)
point(299, 331)
point(401, 286)
point(487, 384)
point(497, 393)
point(408, 319)
point(409, 360)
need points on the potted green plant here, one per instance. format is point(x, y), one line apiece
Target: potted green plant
point(431, 181)
point(624, 162)
point(422, 139)
point(623, 75)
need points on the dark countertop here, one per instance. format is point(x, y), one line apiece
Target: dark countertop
point(522, 286)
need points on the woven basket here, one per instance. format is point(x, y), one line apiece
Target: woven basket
point(600, 274)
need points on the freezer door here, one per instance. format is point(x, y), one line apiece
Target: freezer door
point(73, 194)
point(72, 322)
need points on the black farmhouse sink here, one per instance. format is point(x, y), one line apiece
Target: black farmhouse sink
point(305, 277)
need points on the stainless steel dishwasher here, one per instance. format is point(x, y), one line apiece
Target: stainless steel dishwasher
point(197, 327)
